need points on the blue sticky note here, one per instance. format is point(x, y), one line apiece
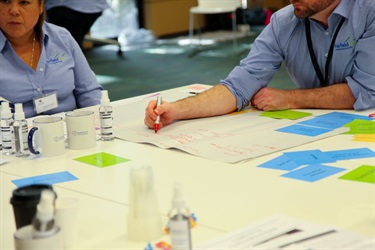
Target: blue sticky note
point(322, 122)
point(49, 179)
point(303, 130)
point(344, 117)
point(333, 120)
point(312, 173)
point(348, 154)
point(309, 157)
point(281, 163)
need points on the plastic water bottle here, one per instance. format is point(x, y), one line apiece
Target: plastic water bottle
point(20, 127)
point(106, 118)
point(179, 221)
point(44, 221)
point(6, 125)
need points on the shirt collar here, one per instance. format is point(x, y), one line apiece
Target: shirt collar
point(344, 8)
point(4, 40)
point(45, 34)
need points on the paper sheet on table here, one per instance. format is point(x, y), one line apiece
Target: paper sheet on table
point(270, 233)
point(337, 240)
point(230, 138)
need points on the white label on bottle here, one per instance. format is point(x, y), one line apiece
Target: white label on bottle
point(180, 234)
point(106, 123)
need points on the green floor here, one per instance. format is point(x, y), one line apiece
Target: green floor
point(161, 66)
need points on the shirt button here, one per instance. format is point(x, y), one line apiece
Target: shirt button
point(38, 89)
point(41, 69)
point(326, 33)
point(326, 54)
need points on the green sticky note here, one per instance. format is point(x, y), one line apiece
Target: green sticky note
point(364, 173)
point(285, 114)
point(101, 160)
point(360, 127)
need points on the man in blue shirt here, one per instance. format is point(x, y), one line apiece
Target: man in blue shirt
point(328, 49)
point(74, 15)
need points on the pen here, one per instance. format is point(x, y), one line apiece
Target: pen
point(156, 124)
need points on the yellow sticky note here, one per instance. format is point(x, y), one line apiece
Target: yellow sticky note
point(364, 137)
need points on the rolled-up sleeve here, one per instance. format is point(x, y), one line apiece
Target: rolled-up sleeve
point(362, 81)
point(257, 69)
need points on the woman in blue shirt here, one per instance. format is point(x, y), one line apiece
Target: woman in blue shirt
point(41, 65)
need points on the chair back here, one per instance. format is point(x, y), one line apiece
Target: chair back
point(219, 3)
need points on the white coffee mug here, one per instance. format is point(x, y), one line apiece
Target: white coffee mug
point(47, 136)
point(80, 127)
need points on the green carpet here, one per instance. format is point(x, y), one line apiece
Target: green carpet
point(157, 67)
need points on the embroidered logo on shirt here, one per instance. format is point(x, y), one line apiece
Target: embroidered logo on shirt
point(56, 59)
point(347, 44)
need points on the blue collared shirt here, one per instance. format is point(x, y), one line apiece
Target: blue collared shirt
point(62, 69)
point(284, 40)
point(86, 6)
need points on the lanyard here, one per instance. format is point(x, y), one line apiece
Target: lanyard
point(323, 81)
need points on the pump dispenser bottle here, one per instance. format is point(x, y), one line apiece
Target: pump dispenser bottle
point(106, 118)
point(6, 125)
point(20, 127)
point(179, 221)
point(44, 222)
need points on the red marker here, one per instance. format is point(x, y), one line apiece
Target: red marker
point(156, 124)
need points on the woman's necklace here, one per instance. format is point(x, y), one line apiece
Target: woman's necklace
point(32, 53)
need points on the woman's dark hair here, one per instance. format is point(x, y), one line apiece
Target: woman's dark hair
point(39, 24)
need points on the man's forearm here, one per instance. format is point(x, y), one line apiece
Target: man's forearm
point(217, 100)
point(337, 96)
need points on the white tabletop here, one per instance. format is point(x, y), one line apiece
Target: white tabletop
point(224, 196)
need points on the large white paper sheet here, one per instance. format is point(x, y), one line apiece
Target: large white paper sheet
point(338, 240)
point(271, 233)
point(230, 138)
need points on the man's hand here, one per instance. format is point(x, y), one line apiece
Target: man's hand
point(335, 96)
point(272, 99)
point(152, 112)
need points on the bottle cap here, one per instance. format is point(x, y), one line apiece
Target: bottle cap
point(178, 200)
point(5, 110)
point(19, 114)
point(45, 209)
point(105, 99)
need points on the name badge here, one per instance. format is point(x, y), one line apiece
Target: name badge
point(45, 103)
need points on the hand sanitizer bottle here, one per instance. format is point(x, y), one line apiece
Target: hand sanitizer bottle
point(20, 132)
point(106, 119)
point(6, 125)
point(179, 221)
point(44, 222)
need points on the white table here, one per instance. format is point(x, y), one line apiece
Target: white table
point(224, 197)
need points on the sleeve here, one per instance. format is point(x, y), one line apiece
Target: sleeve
point(87, 90)
point(362, 81)
point(257, 69)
